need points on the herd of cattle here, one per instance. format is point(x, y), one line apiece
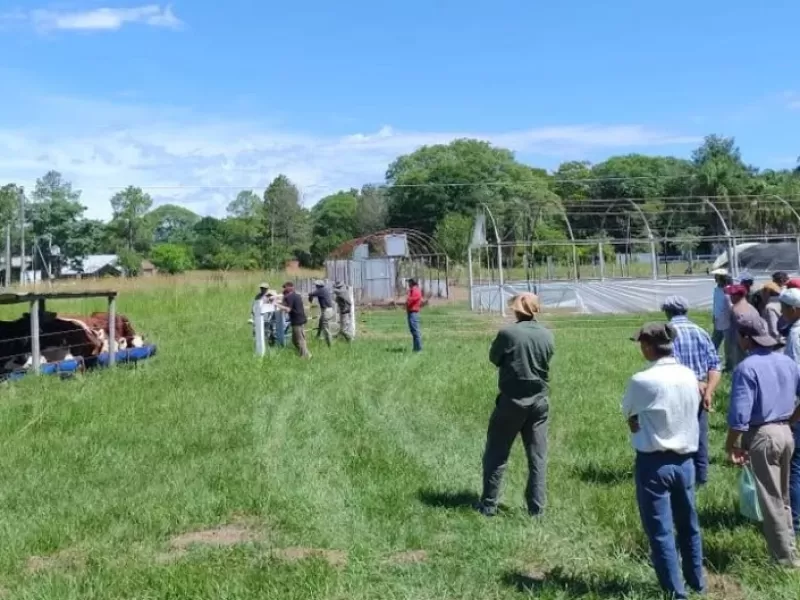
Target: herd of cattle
point(62, 337)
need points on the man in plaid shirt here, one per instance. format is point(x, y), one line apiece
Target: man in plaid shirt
point(693, 348)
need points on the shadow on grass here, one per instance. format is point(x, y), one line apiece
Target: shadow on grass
point(464, 499)
point(558, 580)
point(605, 475)
point(397, 350)
point(714, 518)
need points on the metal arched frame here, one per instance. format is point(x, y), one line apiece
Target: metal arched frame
point(560, 208)
point(650, 235)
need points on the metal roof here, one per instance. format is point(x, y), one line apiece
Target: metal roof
point(92, 264)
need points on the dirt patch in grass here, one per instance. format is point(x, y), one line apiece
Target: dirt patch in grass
point(410, 557)
point(723, 587)
point(223, 536)
point(68, 559)
point(335, 558)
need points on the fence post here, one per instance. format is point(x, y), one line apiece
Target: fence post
point(654, 257)
point(36, 353)
point(602, 261)
point(112, 331)
point(471, 280)
point(258, 324)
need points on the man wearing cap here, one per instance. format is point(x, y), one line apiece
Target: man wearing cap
point(413, 306)
point(522, 353)
point(293, 304)
point(342, 299)
point(693, 348)
point(721, 312)
point(660, 404)
point(790, 312)
point(740, 307)
point(323, 297)
point(763, 394)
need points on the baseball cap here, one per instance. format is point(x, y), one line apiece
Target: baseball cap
point(655, 333)
point(793, 283)
point(263, 285)
point(790, 297)
point(735, 289)
point(675, 304)
point(319, 283)
point(723, 272)
point(755, 328)
point(746, 277)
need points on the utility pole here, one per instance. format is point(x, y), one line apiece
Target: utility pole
point(7, 280)
point(21, 237)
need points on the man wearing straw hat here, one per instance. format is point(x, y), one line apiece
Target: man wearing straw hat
point(522, 354)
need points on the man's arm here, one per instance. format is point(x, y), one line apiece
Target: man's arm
point(498, 350)
point(743, 393)
point(629, 406)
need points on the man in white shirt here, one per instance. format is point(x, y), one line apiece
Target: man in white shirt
point(790, 311)
point(660, 405)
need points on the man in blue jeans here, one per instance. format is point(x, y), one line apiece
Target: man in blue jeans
point(413, 306)
point(694, 348)
point(660, 405)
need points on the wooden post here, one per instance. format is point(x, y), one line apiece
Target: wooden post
point(36, 353)
point(112, 333)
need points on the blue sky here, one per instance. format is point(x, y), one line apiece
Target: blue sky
point(197, 99)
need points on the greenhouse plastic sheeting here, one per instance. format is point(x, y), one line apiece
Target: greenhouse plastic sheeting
point(612, 296)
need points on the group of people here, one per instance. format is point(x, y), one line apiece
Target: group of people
point(340, 305)
point(666, 408)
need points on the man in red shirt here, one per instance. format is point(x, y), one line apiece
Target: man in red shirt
point(413, 306)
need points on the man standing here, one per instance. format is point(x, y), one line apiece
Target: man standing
point(325, 310)
point(763, 393)
point(293, 304)
point(693, 348)
point(413, 306)
point(660, 405)
point(722, 313)
point(344, 307)
point(740, 307)
point(790, 312)
point(522, 354)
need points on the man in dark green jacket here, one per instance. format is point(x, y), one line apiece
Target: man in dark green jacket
point(522, 354)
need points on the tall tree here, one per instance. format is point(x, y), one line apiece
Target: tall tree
point(129, 208)
point(286, 221)
point(55, 216)
point(172, 224)
point(247, 205)
point(371, 209)
point(334, 222)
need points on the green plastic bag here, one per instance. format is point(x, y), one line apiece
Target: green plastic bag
point(748, 496)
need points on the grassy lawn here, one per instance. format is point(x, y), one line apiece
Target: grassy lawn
point(208, 474)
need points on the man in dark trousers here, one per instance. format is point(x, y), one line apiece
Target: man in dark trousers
point(413, 306)
point(522, 354)
point(293, 304)
point(660, 406)
point(323, 296)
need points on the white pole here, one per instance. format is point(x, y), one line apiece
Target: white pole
point(112, 331)
point(471, 280)
point(36, 353)
point(22, 237)
point(7, 281)
point(258, 323)
point(352, 297)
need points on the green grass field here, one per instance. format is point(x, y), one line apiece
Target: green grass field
point(209, 474)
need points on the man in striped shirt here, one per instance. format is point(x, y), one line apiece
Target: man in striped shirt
point(694, 348)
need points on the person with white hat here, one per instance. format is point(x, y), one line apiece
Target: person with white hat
point(721, 313)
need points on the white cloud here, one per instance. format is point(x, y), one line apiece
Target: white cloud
point(99, 19)
point(202, 162)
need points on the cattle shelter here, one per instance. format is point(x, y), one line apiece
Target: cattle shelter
point(37, 304)
point(377, 266)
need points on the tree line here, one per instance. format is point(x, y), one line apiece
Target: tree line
point(436, 190)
